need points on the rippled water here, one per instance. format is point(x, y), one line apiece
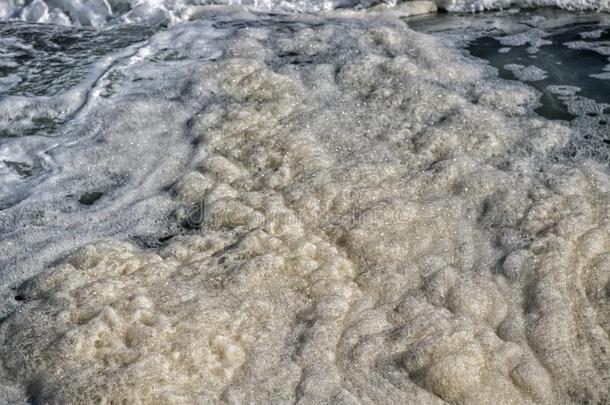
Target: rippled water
point(62, 159)
point(43, 60)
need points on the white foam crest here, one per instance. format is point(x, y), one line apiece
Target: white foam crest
point(482, 5)
point(99, 13)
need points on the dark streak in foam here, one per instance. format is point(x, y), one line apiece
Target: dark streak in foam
point(90, 198)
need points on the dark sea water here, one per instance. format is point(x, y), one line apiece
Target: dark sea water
point(565, 57)
point(563, 66)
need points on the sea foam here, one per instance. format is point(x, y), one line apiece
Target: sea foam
point(98, 13)
point(372, 217)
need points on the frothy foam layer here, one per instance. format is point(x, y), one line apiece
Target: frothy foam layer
point(482, 5)
point(376, 219)
point(99, 13)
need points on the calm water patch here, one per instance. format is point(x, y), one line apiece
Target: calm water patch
point(562, 65)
